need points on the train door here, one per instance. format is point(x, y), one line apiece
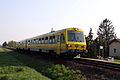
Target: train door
point(58, 44)
point(26, 44)
point(62, 41)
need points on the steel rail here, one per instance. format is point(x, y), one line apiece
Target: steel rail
point(99, 63)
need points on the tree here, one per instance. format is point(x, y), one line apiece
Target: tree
point(90, 44)
point(4, 44)
point(12, 43)
point(105, 34)
point(90, 36)
point(96, 46)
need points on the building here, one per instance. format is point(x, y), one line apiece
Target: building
point(114, 48)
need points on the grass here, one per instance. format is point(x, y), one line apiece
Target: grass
point(8, 60)
point(20, 73)
point(55, 72)
point(16, 66)
point(117, 61)
point(13, 69)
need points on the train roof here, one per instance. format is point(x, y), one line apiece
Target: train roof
point(50, 33)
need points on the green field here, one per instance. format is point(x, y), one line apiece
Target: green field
point(13, 69)
point(15, 66)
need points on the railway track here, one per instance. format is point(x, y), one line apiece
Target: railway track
point(98, 63)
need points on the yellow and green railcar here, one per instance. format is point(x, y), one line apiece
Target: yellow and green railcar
point(69, 41)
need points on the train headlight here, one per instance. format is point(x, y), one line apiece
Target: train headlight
point(68, 45)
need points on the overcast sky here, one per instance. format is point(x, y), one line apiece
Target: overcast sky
point(21, 19)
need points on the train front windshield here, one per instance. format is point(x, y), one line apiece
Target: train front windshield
point(75, 36)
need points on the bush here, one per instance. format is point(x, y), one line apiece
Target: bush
point(60, 72)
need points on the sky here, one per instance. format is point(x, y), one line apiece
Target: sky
point(21, 19)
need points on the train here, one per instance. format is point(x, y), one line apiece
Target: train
point(66, 42)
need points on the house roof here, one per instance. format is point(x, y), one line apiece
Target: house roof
point(114, 40)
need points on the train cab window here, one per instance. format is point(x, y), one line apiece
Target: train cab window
point(62, 38)
point(75, 36)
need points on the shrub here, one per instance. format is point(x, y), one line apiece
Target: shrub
point(60, 72)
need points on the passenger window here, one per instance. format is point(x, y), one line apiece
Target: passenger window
point(31, 42)
point(62, 38)
point(36, 41)
point(39, 40)
point(58, 38)
point(50, 40)
point(28, 42)
point(53, 39)
point(42, 40)
point(46, 40)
